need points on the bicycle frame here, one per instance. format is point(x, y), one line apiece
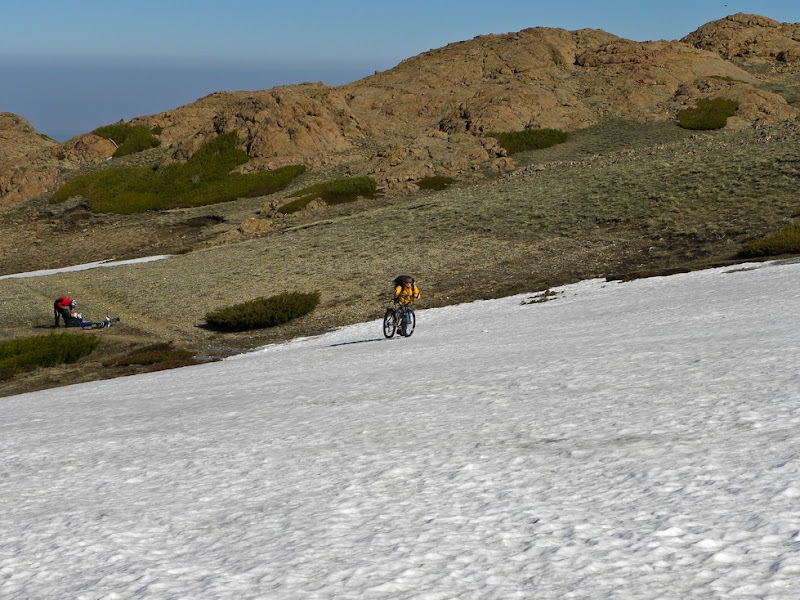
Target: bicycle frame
point(400, 318)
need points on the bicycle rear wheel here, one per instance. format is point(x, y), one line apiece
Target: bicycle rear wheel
point(407, 323)
point(389, 323)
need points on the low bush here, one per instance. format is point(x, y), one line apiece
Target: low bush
point(264, 312)
point(26, 354)
point(435, 183)
point(337, 191)
point(129, 138)
point(157, 357)
point(204, 179)
point(528, 139)
point(708, 114)
point(784, 241)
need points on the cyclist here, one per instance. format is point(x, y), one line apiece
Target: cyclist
point(405, 291)
point(400, 317)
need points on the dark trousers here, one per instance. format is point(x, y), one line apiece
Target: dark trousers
point(62, 313)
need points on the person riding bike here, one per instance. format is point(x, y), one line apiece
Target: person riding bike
point(400, 316)
point(405, 291)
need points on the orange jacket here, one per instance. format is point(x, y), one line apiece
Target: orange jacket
point(405, 296)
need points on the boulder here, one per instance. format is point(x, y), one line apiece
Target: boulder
point(255, 225)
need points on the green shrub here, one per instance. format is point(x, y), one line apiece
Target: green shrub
point(157, 357)
point(263, 312)
point(204, 179)
point(708, 114)
point(26, 354)
point(784, 241)
point(528, 139)
point(337, 191)
point(128, 138)
point(436, 183)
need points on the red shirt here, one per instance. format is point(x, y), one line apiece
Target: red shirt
point(63, 302)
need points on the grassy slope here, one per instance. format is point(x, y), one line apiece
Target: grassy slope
point(661, 198)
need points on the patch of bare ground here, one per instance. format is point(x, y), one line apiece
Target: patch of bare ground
point(617, 200)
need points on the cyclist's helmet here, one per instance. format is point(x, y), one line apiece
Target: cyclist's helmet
point(73, 304)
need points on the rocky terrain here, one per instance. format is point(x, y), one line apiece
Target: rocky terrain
point(629, 193)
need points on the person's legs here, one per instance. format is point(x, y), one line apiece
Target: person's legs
point(69, 321)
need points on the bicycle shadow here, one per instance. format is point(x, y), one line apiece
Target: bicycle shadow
point(357, 342)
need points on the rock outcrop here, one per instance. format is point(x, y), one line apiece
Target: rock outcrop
point(32, 163)
point(746, 37)
point(18, 139)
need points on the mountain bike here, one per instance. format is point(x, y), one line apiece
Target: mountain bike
point(107, 322)
point(400, 319)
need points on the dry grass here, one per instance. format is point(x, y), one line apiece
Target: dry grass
point(657, 199)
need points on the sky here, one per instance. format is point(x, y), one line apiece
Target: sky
point(69, 67)
point(620, 440)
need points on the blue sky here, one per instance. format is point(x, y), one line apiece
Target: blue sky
point(69, 67)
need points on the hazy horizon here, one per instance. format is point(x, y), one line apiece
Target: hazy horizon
point(62, 97)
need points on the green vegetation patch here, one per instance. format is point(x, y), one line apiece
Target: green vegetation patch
point(529, 139)
point(27, 354)
point(435, 183)
point(337, 191)
point(708, 114)
point(129, 138)
point(264, 312)
point(204, 179)
point(784, 241)
point(157, 357)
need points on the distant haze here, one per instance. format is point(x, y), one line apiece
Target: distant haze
point(65, 98)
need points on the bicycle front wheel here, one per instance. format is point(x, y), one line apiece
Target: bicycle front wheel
point(389, 323)
point(407, 323)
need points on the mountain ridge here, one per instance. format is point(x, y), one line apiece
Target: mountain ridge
point(429, 114)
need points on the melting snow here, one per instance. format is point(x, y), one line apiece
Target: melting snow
point(625, 440)
point(84, 267)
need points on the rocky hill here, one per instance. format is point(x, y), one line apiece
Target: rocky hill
point(429, 115)
point(751, 38)
point(32, 164)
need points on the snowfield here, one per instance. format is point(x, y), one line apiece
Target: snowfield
point(621, 440)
